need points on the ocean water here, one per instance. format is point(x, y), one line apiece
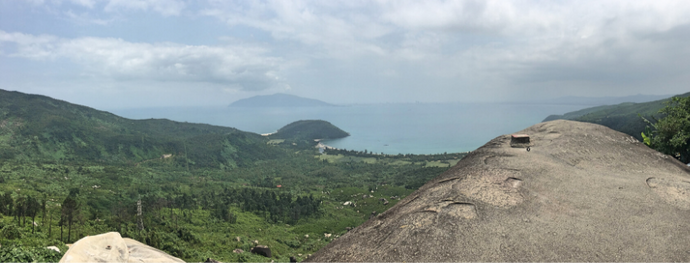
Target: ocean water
point(418, 128)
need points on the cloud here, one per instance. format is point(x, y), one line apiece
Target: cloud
point(84, 3)
point(164, 7)
point(85, 18)
point(568, 46)
point(479, 47)
point(327, 29)
point(236, 66)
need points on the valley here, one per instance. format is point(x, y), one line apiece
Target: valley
point(69, 171)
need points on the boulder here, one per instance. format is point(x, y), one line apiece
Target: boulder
point(108, 247)
point(111, 247)
point(262, 250)
point(583, 192)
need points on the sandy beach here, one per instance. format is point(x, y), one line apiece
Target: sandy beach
point(323, 146)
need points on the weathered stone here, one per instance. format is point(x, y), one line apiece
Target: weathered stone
point(262, 250)
point(582, 193)
point(111, 247)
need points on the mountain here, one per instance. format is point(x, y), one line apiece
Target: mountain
point(310, 130)
point(621, 117)
point(583, 192)
point(39, 128)
point(279, 100)
point(598, 101)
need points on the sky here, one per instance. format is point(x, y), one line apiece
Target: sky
point(112, 54)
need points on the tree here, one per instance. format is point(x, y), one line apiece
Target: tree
point(4, 203)
point(69, 210)
point(33, 206)
point(671, 134)
point(20, 209)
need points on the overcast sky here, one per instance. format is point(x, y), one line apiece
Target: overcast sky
point(124, 53)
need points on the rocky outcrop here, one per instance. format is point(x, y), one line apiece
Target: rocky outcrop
point(262, 250)
point(583, 192)
point(111, 247)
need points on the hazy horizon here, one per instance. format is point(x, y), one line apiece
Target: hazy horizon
point(130, 54)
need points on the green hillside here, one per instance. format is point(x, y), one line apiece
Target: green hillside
point(624, 117)
point(204, 190)
point(35, 127)
point(310, 130)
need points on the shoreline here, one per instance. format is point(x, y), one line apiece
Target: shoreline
point(322, 147)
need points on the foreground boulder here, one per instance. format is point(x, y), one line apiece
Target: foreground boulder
point(583, 192)
point(111, 247)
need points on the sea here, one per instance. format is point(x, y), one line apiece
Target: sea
point(414, 128)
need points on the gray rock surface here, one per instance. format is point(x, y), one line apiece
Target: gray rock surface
point(583, 193)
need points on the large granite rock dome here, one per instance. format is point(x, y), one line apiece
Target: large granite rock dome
point(583, 193)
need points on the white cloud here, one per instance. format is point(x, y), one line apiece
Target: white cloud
point(84, 3)
point(238, 66)
point(87, 18)
point(164, 7)
point(327, 28)
point(454, 46)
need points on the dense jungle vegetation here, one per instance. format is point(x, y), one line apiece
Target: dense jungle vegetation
point(671, 134)
point(67, 171)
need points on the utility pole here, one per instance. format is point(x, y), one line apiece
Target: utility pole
point(140, 219)
point(186, 158)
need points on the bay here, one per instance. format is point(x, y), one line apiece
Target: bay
point(416, 128)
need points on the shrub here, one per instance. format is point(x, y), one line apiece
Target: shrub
point(10, 232)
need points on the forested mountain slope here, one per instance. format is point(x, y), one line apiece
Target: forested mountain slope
point(69, 171)
point(621, 117)
point(34, 127)
point(310, 130)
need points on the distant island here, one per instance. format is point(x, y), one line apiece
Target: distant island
point(309, 130)
point(279, 100)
